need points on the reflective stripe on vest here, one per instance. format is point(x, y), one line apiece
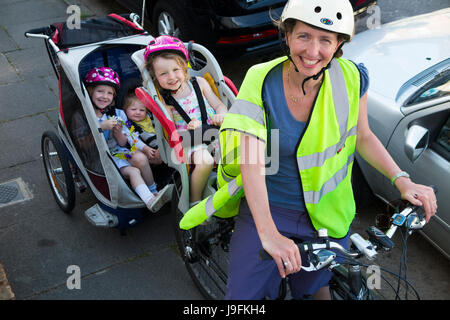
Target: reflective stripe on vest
point(315, 196)
point(233, 187)
point(317, 159)
point(326, 152)
point(219, 204)
point(250, 110)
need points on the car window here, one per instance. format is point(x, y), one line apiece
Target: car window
point(436, 88)
point(443, 138)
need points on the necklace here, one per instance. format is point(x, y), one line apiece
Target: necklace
point(293, 99)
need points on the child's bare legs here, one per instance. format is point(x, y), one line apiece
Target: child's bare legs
point(140, 161)
point(141, 179)
point(134, 175)
point(204, 163)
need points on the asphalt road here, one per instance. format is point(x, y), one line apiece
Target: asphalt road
point(39, 243)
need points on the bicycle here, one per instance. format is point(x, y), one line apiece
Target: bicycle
point(204, 249)
point(348, 281)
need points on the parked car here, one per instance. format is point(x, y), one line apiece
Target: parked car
point(226, 27)
point(409, 107)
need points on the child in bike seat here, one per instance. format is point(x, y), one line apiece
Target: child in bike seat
point(102, 84)
point(191, 102)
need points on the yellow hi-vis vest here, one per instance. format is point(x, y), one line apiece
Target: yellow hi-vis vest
point(324, 156)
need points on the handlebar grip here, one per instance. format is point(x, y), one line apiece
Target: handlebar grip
point(42, 30)
point(379, 238)
point(420, 211)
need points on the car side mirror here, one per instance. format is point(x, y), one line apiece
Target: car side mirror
point(417, 139)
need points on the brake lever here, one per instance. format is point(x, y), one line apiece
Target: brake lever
point(319, 259)
point(415, 221)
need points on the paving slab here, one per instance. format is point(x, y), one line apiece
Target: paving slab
point(31, 62)
point(18, 12)
point(151, 276)
point(38, 242)
point(8, 73)
point(17, 31)
point(6, 42)
point(26, 98)
point(28, 147)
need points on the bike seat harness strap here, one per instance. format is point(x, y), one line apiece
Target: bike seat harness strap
point(140, 131)
point(172, 101)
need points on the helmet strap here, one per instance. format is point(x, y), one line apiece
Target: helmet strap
point(285, 48)
point(314, 77)
point(102, 111)
point(290, 58)
point(317, 75)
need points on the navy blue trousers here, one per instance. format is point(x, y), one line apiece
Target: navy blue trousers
point(250, 278)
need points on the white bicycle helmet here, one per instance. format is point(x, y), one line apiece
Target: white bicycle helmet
point(332, 15)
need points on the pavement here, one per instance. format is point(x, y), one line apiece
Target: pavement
point(41, 247)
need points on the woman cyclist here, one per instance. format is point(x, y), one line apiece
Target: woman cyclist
point(317, 102)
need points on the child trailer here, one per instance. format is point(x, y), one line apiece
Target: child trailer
point(108, 42)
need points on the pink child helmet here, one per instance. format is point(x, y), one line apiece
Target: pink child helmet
point(166, 43)
point(102, 75)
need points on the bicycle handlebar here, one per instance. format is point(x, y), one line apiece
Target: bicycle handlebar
point(412, 217)
point(313, 246)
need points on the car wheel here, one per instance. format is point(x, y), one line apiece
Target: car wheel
point(168, 19)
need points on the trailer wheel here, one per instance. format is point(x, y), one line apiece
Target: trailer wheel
point(58, 171)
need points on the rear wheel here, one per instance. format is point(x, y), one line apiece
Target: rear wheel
point(204, 250)
point(58, 171)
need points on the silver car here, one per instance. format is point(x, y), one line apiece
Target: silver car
point(409, 107)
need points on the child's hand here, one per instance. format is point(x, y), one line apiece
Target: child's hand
point(217, 119)
point(194, 124)
point(117, 128)
point(153, 155)
point(109, 124)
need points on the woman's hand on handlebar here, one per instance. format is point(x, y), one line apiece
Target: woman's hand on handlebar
point(285, 253)
point(419, 195)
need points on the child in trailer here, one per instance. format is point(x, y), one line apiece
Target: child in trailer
point(191, 102)
point(137, 114)
point(102, 84)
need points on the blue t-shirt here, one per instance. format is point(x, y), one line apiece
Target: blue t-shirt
point(284, 187)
